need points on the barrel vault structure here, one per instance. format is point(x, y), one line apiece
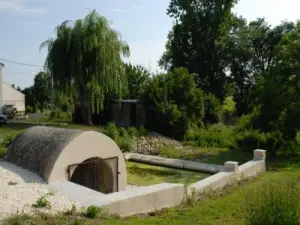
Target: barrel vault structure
point(88, 158)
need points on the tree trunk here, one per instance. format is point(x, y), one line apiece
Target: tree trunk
point(85, 111)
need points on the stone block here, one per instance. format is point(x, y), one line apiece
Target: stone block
point(260, 154)
point(231, 166)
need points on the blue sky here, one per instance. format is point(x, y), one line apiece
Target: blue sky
point(143, 24)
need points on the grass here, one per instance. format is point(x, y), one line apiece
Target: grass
point(145, 175)
point(223, 207)
point(206, 154)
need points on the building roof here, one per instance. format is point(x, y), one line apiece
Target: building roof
point(12, 87)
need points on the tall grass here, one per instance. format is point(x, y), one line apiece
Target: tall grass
point(217, 135)
point(274, 203)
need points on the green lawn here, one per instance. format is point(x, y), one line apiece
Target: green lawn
point(208, 155)
point(145, 175)
point(222, 208)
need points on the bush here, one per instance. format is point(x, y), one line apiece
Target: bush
point(173, 103)
point(57, 116)
point(228, 110)
point(124, 144)
point(93, 212)
point(111, 131)
point(169, 152)
point(214, 136)
point(274, 203)
point(213, 108)
point(29, 109)
point(249, 140)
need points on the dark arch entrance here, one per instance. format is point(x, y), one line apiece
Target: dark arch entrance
point(93, 173)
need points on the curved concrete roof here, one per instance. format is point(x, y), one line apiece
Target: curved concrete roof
point(49, 151)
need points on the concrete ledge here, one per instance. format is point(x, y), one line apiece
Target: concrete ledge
point(125, 203)
point(151, 198)
point(232, 174)
point(174, 163)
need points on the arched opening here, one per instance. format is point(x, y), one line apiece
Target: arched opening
point(94, 173)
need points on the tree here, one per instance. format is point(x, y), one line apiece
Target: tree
point(196, 41)
point(279, 89)
point(137, 78)
point(173, 103)
point(251, 53)
point(30, 99)
point(85, 58)
point(41, 90)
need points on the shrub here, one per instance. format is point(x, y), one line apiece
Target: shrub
point(111, 131)
point(249, 140)
point(212, 112)
point(142, 131)
point(274, 203)
point(173, 103)
point(93, 212)
point(214, 136)
point(133, 132)
point(122, 132)
point(124, 143)
point(29, 109)
point(228, 109)
point(169, 152)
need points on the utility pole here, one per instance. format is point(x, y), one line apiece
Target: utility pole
point(1, 88)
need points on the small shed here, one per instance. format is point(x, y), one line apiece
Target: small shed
point(87, 158)
point(128, 112)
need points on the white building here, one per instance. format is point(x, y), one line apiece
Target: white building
point(10, 96)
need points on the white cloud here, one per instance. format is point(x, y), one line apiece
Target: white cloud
point(19, 6)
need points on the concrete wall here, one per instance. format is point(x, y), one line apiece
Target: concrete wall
point(125, 203)
point(151, 198)
point(175, 163)
point(232, 174)
point(12, 96)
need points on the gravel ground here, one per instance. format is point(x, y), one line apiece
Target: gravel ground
point(20, 189)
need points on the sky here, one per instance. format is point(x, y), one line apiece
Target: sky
point(143, 24)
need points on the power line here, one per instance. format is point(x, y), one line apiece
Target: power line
point(19, 73)
point(19, 63)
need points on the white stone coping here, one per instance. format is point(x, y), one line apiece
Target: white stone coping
point(174, 163)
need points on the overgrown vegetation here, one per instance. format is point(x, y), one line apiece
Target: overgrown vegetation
point(274, 203)
point(122, 136)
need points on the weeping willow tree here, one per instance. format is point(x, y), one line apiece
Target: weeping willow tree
point(86, 58)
